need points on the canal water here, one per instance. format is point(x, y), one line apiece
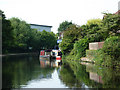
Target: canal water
point(28, 71)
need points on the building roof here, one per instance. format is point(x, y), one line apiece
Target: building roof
point(41, 25)
point(118, 12)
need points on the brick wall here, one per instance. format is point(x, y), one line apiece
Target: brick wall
point(95, 45)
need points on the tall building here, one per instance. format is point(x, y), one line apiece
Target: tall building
point(41, 27)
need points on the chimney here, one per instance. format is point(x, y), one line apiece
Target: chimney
point(118, 5)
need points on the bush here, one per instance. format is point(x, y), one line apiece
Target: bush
point(91, 54)
point(71, 35)
point(111, 51)
point(95, 55)
point(112, 47)
point(80, 48)
point(109, 55)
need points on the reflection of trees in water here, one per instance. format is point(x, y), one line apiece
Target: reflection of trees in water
point(18, 70)
point(83, 74)
point(68, 78)
point(111, 78)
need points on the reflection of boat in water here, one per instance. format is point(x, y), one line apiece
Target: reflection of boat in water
point(47, 63)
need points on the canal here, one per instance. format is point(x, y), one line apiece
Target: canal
point(28, 71)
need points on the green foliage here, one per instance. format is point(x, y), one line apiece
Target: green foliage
point(109, 55)
point(7, 34)
point(75, 41)
point(64, 25)
point(91, 54)
point(93, 33)
point(22, 32)
point(80, 48)
point(95, 55)
point(17, 36)
point(111, 25)
point(70, 36)
point(94, 21)
point(92, 30)
point(112, 47)
point(48, 39)
point(111, 51)
point(26, 37)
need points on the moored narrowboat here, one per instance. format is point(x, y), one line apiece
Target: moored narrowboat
point(45, 54)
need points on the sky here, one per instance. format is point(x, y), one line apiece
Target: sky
point(54, 12)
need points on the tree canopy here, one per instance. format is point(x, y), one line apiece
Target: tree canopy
point(95, 30)
point(7, 33)
point(94, 21)
point(18, 36)
point(64, 25)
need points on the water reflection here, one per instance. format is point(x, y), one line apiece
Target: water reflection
point(47, 63)
point(17, 70)
point(86, 75)
point(68, 78)
point(27, 71)
point(95, 77)
point(93, 73)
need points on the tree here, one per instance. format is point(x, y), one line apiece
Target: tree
point(94, 21)
point(111, 51)
point(64, 25)
point(47, 39)
point(22, 34)
point(111, 25)
point(92, 30)
point(71, 34)
point(26, 37)
point(7, 34)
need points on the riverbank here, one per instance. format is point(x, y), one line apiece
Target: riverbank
point(10, 54)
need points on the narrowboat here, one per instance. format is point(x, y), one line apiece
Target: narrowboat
point(45, 54)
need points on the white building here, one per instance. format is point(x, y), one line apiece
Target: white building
point(41, 27)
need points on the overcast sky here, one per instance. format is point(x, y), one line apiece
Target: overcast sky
point(54, 12)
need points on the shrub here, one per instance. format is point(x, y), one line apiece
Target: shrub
point(71, 35)
point(111, 51)
point(95, 55)
point(80, 48)
point(91, 54)
point(112, 47)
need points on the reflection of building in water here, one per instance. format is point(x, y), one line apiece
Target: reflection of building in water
point(95, 77)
